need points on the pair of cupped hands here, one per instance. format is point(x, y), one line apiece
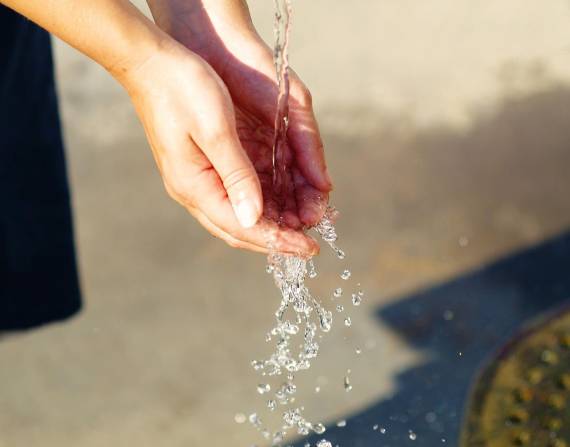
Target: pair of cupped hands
point(207, 102)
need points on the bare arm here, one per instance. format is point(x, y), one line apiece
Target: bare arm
point(112, 32)
point(186, 111)
point(222, 32)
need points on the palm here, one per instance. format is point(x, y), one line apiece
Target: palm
point(245, 64)
point(300, 202)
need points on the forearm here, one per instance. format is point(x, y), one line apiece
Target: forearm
point(114, 33)
point(197, 22)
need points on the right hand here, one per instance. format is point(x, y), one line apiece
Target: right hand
point(190, 123)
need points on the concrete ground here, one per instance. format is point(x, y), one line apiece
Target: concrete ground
point(446, 126)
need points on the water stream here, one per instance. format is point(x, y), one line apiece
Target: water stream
point(301, 317)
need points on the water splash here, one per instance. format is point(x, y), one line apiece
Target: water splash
point(300, 317)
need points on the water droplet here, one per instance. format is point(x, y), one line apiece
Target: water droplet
point(337, 292)
point(412, 435)
point(257, 365)
point(356, 299)
point(443, 440)
point(255, 420)
point(319, 429)
point(347, 322)
point(324, 443)
point(340, 308)
point(312, 271)
point(269, 269)
point(271, 404)
point(263, 388)
point(325, 320)
point(375, 427)
point(341, 423)
point(290, 388)
point(347, 385)
point(340, 254)
point(240, 418)
point(345, 275)
point(358, 351)
point(382, 430)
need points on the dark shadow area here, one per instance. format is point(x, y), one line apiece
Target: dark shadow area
point(458, 325)
point(503, 182)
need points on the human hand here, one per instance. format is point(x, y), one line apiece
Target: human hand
point(222, 33)
point(189, 120)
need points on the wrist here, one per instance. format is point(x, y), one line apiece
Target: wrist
point(138, 47)
point(202, 25)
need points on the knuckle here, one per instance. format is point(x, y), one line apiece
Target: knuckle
point(237, 177)
point(180, 190)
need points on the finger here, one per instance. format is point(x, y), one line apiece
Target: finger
point(217, 137)
point(311, 202)
point(215, 205)
point(226, 237)
point(305, 138)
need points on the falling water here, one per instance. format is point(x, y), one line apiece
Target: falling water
point(300, 316)
point(283, 13)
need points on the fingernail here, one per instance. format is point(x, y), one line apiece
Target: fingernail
point(246, 213)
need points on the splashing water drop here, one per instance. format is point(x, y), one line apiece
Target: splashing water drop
point(340, 308)
point(383, 430)
point(312, 270)
point(356, 299)
point(347, 384)
point(341, 423)
point(347, 322)
point(257, 365)
point(412, 435)
point(345, 275)
point(240, 418)
point(255, 420)
point(324, 443)
point(271, 404)
point(375, 427)
point(337, 293)
point(263, 388)
point(319, 429)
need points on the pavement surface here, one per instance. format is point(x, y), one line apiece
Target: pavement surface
point(446, 127)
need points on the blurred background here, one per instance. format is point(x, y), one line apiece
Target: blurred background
point(446, 126)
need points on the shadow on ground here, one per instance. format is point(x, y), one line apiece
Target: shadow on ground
point(502, 182)
point(458, 325)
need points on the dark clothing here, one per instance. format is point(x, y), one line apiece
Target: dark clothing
point(38, 275)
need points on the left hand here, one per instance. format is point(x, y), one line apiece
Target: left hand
point(222, 33)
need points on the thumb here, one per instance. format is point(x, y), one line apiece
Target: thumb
point(237, 174)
